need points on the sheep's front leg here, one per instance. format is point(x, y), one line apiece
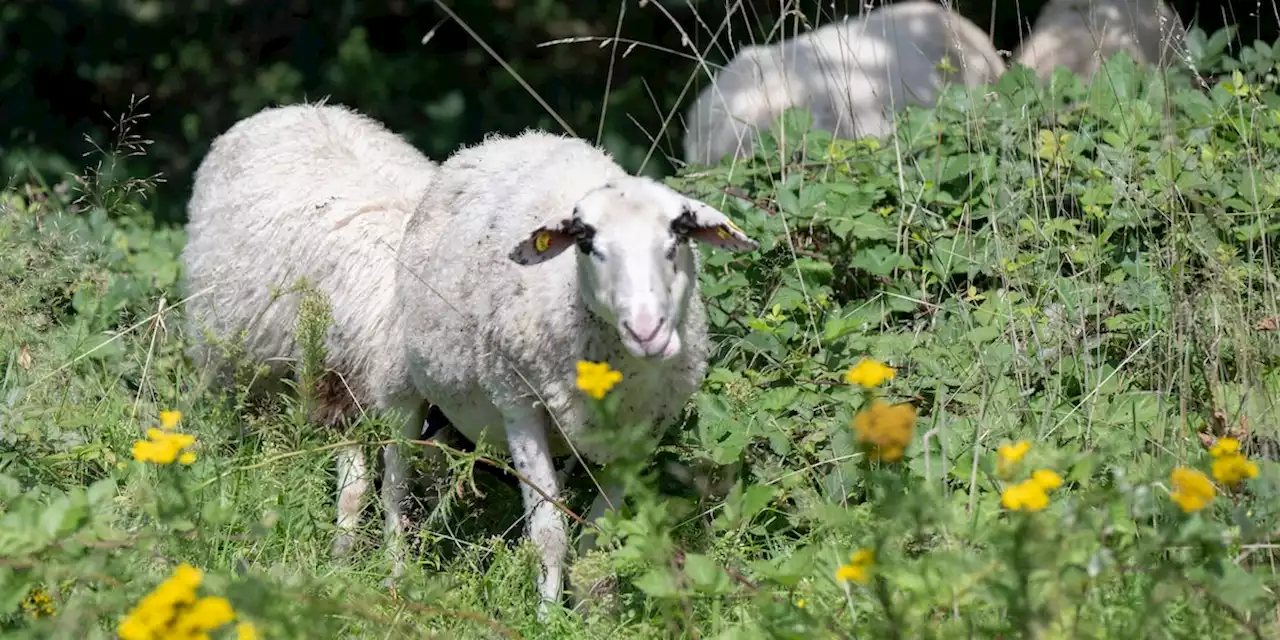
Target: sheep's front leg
point(395, 486)
point(527, 440)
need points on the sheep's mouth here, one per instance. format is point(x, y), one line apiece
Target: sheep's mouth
point(662, 345)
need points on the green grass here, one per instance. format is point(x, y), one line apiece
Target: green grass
point(1039, 265)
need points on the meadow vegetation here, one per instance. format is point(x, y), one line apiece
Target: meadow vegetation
point(1009, 373)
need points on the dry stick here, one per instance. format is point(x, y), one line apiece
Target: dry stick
point(429, 443)
point(120, 544)
point(1231, 611)
point(123, 332)
point(608, 79)
point(679, 559)
point(465, 615)
point(494, 54)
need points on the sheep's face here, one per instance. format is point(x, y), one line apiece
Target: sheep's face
point(635, 265)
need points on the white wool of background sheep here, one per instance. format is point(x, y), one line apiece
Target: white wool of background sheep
point(496, 317)
point(852, 75)
point(316, 191)
point(1082, 34)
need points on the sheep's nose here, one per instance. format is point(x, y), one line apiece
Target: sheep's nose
point(644, 326)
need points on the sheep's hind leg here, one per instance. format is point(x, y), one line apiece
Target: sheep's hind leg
point(527, 440)
point(353, 484)
point(611, 496)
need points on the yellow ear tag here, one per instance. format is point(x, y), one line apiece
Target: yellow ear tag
point(733, 226)
point(722, 232)
point(542, 241)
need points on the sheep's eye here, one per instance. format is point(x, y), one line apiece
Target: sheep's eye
point(671, 252)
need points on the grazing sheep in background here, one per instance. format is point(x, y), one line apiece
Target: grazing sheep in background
point(1082, 34)
point(315, 191)
point(852, 76)
point(494, 324)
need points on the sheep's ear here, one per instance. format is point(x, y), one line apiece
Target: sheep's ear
point(547, 241)
point(701, 223)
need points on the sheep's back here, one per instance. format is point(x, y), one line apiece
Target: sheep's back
point(852, 75)
point(312, 191)
point(1081, 34)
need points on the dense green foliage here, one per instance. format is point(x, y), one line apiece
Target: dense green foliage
point(71, 66)
point(1088, 268)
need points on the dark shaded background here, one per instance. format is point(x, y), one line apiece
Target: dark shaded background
point(69, 67)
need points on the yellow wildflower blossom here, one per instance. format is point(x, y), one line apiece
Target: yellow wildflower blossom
point(1009, 455)
point(1225, 447)
point(246, 631)
point(206, 614)
point(869, 373)
point(159, 609)
point(1192, 490)
point(1024, 496)
point(885, 430)
point(164, 447)
point(1013, 453)
point(800, 603)
point(1046, 479)
point(859, 567)
point(172, 610)
point(169, 419)
point(1233, 469)
point(38, 603)
point(596, 378)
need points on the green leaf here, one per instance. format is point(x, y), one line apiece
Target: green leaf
point(705, 575)
point(658, 582)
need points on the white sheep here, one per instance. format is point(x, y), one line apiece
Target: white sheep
point(852, 75)
point(316, 191)
point(1082, 34)
point(494, 324)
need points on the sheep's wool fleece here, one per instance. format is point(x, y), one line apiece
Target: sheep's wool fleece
point(852, 75)
point(315, 191)
point(478, 326)
point(1082, 34)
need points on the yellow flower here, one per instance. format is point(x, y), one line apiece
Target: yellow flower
point(858, 569)
point(1024, 496)
point(885, 430)
point(800, 603)
point(1046, 479)
point(246, 631)
point(1225, 447)
point(207, 614)
point(169, 419)
point(173, 611)
point(869, 373)
point(159, 610)
point(38, 603)
point(163, 447)
point(596, 378)
point(1192, 490)
point(1013, 453)
point(1233, 469)
point(1010, 454)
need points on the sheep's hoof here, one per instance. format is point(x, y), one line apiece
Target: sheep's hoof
point(593, 587)
point(342, 545)
point(599, 597)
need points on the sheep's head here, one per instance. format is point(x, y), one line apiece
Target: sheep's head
point(635, 265)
